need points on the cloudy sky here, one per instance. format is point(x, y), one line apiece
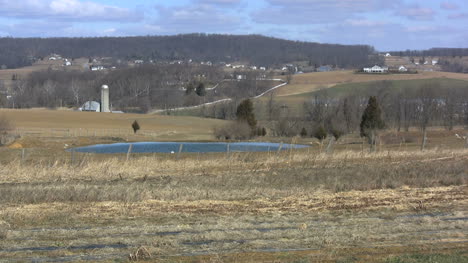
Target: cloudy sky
point(387, 25)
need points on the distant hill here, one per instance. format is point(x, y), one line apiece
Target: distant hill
point(442, 52)
point(255, 49)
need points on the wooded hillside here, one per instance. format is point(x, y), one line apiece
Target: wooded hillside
point(255, 49)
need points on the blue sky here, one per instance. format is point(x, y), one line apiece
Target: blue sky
point(386, 25)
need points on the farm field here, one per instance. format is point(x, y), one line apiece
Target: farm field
point(295, 102)
point(296, 206)
point(109, 124)
point(305, 83)
point(292, 206)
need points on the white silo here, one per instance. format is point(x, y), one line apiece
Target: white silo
point(105, 98)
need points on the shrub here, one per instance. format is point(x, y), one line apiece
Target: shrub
point(320, 133)
point(337, 133)
point(6, 126)
point(303, 132)
point(233, 131)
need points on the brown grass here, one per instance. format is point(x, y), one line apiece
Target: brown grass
point(309, 82)
point(85, 124)
point(329, 205)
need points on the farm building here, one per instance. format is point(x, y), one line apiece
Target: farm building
point(402, 69)
point(376, 69)
point(91, 106)
point(324, 69)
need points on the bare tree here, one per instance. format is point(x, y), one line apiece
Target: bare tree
point(426, 108)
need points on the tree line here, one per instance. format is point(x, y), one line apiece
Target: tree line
point(135, 89)
point(256, 49)
point(429, 104)
point(433, 52)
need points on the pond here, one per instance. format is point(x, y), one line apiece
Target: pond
point(187, 147)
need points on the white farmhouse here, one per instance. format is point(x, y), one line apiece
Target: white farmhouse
point(388, 55)
point(435, 62)
point(376, 69)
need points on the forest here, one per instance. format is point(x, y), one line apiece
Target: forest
point(254, 49)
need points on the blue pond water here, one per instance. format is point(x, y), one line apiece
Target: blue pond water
point(188, 147)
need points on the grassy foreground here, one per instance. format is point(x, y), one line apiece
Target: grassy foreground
point(295, 206)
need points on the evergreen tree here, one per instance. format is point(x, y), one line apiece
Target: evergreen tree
point(303, 132)
point(135, 126)
point(200, 90)
point(245, 113)
point(320, 133)
point(371, 121)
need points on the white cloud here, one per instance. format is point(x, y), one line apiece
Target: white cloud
point(458, 16)
point(416, 13)
point(317, 11)
point(198, 17)
point(449, 6)
point(74, 10)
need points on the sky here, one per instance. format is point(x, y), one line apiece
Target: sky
point(386, 25)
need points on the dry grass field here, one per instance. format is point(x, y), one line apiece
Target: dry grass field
point(305, 83)
point(296, 206)
point(74, 123)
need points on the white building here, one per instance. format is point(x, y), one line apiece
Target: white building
point(97, 68)
point(435, 62)
point(388, 55)
point(402, 69)
point(376, 69)
point(91, 106)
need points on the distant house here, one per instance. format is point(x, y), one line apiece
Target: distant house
point(402, 69)
point(240, 77)
point(435, 62)
point(388, 55)
point(97, 68)
point(138, 61)
point(52, 58)
point(376, 69)
point(67, 63)
point(324, 68)
point(254, 67)
point(262, 68)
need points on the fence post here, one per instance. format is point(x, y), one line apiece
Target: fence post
point(279, 148)
point(180, 150)
point(23, 154)
point(130, 147)
point(72, 156)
